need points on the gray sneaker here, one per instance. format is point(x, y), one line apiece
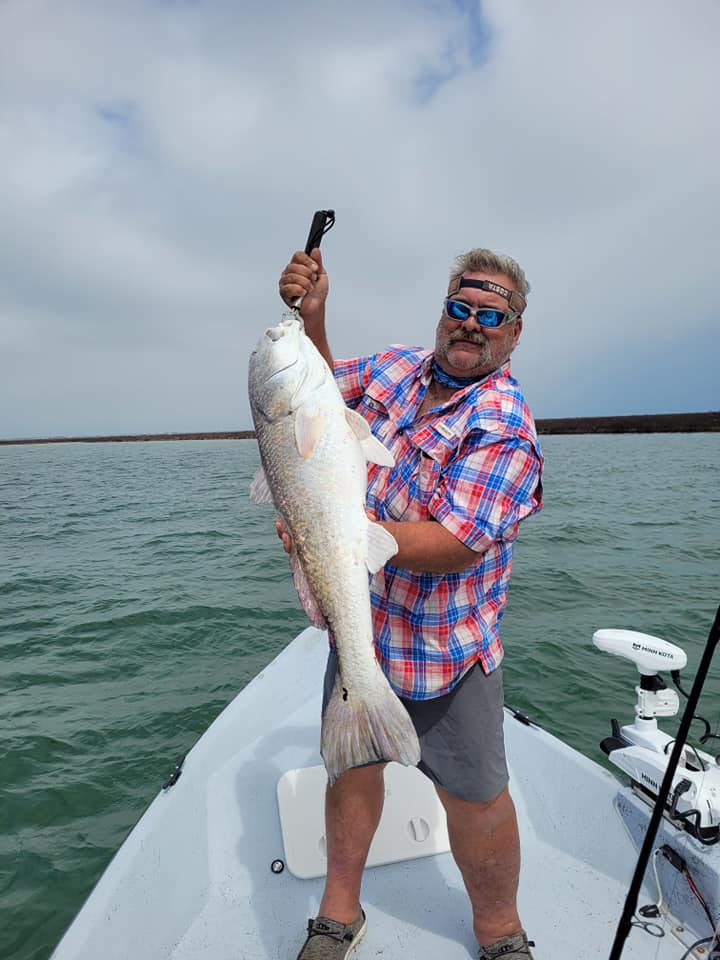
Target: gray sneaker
point(329, 940)
point(516, 947)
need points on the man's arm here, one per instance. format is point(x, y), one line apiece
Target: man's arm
point(427, 547)
point(485, 495)
point(306, 277)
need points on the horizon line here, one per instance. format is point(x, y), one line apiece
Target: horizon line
point(700, 422)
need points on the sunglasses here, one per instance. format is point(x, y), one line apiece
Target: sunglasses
point(483, 316)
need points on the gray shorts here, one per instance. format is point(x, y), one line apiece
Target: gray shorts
point(462, 748)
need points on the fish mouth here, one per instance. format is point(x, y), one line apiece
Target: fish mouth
point(281, 370)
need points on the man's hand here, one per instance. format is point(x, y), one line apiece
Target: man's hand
point(283, 533)
point(305, 277)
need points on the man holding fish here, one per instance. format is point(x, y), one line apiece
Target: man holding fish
point(467, 469)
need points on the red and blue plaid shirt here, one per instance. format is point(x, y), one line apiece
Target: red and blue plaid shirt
point(473, 464)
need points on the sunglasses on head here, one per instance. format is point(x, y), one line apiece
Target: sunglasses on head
point(484, 316)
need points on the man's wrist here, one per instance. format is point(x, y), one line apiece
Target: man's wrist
point(313, 312)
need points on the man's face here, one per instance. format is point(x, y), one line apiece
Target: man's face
point(465, 349)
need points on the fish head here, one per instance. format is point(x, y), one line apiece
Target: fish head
point(279, 367)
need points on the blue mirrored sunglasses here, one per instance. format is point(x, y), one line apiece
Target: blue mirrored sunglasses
point(484, 316)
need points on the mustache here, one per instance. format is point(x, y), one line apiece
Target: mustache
point(473, 337)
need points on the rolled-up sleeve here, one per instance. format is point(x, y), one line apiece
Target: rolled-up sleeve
point(485, 492)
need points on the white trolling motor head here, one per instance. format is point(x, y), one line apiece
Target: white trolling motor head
point(649, 654)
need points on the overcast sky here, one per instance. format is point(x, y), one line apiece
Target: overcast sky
point(160, 160)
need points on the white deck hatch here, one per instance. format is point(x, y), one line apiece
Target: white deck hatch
point(413, 822)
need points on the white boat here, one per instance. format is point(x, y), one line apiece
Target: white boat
point(197, 876)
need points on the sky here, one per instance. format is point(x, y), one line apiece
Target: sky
point(160, 161)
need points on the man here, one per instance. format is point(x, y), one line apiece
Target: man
point(467, 471)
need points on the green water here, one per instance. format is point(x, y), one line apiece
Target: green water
point(140, 590)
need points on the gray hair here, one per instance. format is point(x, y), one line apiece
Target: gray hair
point(481, 260)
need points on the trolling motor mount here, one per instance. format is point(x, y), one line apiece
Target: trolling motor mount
point(642, 751)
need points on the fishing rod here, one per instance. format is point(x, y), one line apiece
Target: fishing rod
point(631, 901)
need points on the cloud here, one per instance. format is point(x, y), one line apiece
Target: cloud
point(161, 161)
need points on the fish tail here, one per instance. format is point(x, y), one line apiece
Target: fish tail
point(357, 732)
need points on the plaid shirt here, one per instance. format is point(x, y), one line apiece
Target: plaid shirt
point(474, 464)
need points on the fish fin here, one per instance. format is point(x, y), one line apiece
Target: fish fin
point(381, 546)
point(260, 489)
point(305, 594)
point(374, 451)
point(356, 731)
point(309, 427)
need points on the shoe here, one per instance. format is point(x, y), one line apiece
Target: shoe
point(516, 947)
point(329, 940)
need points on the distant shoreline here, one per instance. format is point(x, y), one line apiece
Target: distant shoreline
point(633, 423)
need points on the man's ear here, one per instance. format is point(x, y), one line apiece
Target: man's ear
point(518, 331)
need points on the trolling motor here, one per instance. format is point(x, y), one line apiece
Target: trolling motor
point(642, 750)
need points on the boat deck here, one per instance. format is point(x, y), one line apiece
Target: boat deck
point(194, 879)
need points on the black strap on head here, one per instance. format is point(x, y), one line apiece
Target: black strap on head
point(515, 300)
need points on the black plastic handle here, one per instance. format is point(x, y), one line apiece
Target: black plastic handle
point(322, 221)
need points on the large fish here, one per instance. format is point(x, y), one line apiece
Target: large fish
point(314, 451)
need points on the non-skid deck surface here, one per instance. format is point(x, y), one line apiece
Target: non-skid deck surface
point(419, 909)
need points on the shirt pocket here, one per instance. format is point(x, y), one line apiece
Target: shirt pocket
point(378, 420)
point(396, 499)
point(382, 482)
point(437, 444)
point(421, 488)
point(410, 492)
